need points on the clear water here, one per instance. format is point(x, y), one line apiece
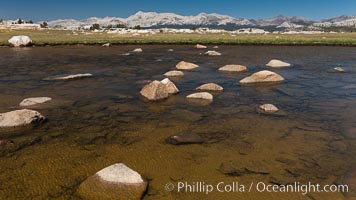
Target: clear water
point(95, 122)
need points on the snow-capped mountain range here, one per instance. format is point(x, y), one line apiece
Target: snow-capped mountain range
point(153, 19)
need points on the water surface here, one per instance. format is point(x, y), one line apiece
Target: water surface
point(95, 122)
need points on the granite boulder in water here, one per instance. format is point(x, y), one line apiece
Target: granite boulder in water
point(264, 76)
point(20, 41)
point(114, 182)
point(20, 118)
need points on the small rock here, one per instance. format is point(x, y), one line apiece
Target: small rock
point(5, 142)
point(286, 161)
point(126, 54)
point(212, 53)
point(268, 108)
point(170, 50)
point(282, 179)
point(277, 64)
point(229, 169)
point(34, 101)
point(137, 50)
point(339, 69)
point(20, 41)
point(174, 73)
point(114, 182)
point(186, 65)
point(350, 181)
point(68, 77)
point(199, 46)
point(171, 88)
point(201, 95)
point(262, 77)
point(210, 86)
point(20, 118)
point(185, 138)
point(154, 91)
point(350, 133)
point(233, 68)
point(338, 146)
point(215, 47)
point(295, 171)
point(106, 45)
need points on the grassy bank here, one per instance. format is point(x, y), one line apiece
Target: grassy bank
point(64, 37)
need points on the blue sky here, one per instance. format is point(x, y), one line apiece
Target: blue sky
point(80, 9)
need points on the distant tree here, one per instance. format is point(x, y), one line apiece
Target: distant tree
point(1, 21)
point(137, 27)
point(20, 21)
point(109, 26)
point(193, 28)
point(95, 27)
point(120, 26)
point(29, 22)
point(44, 25)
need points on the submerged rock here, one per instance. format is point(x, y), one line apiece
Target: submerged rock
point(350, 181)
point(339, 69)
point(20, 118)
point(106, 45)
point(6, 142)
point(277, 64)
point(210, 86)
point(20, 41)
point(213, 53)
point(34, 101)
point(174, 73)
point(262, 77)
point(154, 91)
point(199, 46)
point(201, 95)
point(170, 50)
point(114, 182)
point(171, 87)
point(185, 138)
point(137, 50)
point(215, 47)
point(186, 65)
point(350, 133)
point(233, 68)
point(268, 108)
point(229, 169)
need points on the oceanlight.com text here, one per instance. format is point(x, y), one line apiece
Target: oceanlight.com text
point(236, 187)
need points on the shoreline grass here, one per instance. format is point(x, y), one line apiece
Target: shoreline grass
point(67, 37)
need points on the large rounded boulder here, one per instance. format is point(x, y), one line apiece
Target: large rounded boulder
point(186, 65)
point(233, 68)
point(114, 182)
point(174, 73)
point(201, 95)
point(20, 41)
point(210, 87)
point(155, 91)
point(264, 76)
point(20, 118)
point(277, 64)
